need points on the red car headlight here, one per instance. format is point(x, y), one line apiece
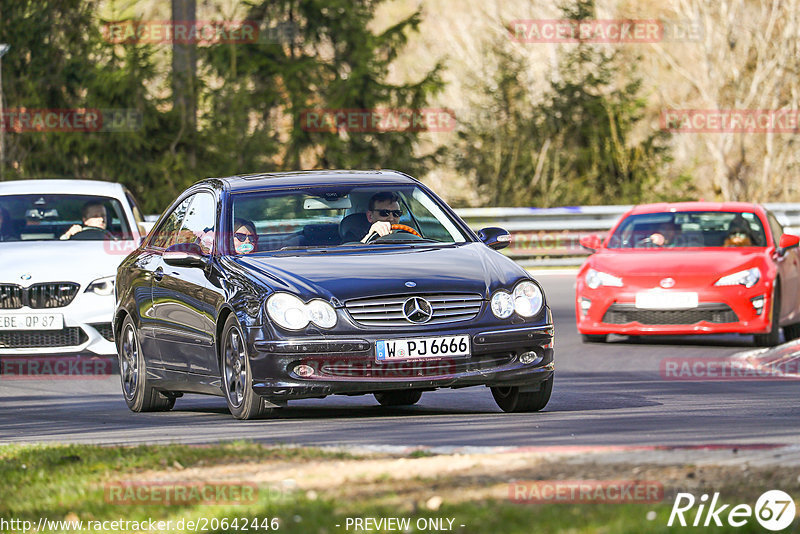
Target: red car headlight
point(746, 278)
point(595, 279)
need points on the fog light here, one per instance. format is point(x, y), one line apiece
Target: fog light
point(304, 370)
point(584, 304)
point(528, 357)
point(758, 304)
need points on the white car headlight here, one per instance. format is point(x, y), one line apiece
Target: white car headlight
point(528, 299)
point(502, 304)
point(746, 278)
point(102, 286)
point(287, 310)
point(595, 279)
point(291, 313)
point(321, 313)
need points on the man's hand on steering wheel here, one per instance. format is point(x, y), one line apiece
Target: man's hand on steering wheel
point(384, 228)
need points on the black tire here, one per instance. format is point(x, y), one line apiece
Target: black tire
point(237, 378)
point(594, 338)
point(398, 398)
point(773, 337)
point(512, 400)
point(136, 388)
point(791, 332)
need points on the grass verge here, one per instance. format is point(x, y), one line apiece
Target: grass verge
point(307, 490)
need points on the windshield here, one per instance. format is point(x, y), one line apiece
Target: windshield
point(337, 215)
point(689, 229)
point(61, 217)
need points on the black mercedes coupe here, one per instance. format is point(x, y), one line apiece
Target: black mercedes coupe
point(271, 287)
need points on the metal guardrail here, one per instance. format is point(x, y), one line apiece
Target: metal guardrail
point(549, 237)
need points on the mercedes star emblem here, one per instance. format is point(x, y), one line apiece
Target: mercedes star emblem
point(417, 310)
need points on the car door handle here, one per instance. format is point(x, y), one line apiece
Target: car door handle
point(158, 274)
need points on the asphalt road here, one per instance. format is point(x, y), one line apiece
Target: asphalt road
point(610, 394)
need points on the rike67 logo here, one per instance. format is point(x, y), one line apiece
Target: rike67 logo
point(774, 510)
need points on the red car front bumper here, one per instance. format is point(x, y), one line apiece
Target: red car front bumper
point(720, 309)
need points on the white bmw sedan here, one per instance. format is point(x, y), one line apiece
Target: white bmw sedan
point(60, 244)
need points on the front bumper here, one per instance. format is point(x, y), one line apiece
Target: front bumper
point(87, 328)
point(720, 310)
point(348, 365)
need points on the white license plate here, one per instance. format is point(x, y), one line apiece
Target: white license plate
point(423, 347)
point(31, 321)
point(666, 300)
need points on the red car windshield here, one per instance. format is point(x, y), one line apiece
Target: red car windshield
point(689, 229)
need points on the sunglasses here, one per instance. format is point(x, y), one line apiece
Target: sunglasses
point(385, 213)
point(243, 237)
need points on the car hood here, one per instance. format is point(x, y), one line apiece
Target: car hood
point(351, 273)
point(60, 261)
point(675, 262)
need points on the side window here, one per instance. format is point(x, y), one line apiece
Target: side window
point(775, 226)
point(166, 234)
point(199, 223)
point(137, 213)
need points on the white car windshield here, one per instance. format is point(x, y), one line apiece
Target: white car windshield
point(53, 217)
point(338, 215)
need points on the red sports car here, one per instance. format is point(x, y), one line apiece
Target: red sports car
point(691, 268)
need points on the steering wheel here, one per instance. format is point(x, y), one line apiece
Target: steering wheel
point(400, 227)
point(405, 228)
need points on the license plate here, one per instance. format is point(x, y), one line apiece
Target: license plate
point(32, 321)
point(666, 300)
point(423, 347)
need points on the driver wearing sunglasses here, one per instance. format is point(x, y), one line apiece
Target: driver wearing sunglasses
point(384, 211)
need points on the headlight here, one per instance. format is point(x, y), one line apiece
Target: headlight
point(502, 304)
point(290, 312)
point(321, 313)
point(102, 286)
point(528, 299)
point(595, 279)
point(746, 278)
point(287, 310)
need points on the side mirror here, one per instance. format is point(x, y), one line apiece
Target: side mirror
point(591, 242)
point(185, 255)
point(494, 238)
point(786, 242)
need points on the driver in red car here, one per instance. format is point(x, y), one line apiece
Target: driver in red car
point(384, 211)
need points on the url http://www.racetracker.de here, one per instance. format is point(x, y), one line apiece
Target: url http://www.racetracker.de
point(201, 524)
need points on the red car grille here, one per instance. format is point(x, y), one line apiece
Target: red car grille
point(712, 313)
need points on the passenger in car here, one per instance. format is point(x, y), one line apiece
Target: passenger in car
point(245, 237)
point(738, 234)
